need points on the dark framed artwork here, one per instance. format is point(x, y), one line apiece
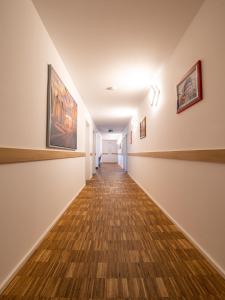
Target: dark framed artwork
point(62, 114)
point(131, 137)
point(143, 128)
point(189, 89)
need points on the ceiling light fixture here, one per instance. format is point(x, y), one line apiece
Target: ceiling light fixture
point(155, 96)
point(111, 88)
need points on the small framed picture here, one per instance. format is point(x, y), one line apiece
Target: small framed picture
point(189, 89)
point(131, 136)
point(143, 128)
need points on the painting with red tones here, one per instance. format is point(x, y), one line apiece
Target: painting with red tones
point(189, 89)
point(62, 114)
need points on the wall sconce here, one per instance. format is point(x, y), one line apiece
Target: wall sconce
point(155, 97)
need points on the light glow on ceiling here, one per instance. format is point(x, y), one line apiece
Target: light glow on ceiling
point(137, 78)
point(122, 112)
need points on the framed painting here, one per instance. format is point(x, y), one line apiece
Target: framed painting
point(189, 89)
point(131, 133)
point(62, 114)
point(143, 128)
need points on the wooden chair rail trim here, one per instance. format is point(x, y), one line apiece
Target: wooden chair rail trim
point(17, 155)
point(208, 155)
point(106, 153)
point(92, 154)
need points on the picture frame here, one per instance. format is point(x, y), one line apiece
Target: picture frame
point(131, 137)
point(61, 114)
point(143, 128)
point(189, 89)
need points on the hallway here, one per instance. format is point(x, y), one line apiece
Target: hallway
point(113, 242)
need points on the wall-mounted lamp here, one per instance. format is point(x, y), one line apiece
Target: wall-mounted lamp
point(155, 96)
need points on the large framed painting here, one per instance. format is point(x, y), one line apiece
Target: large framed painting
point(143, 128)
point(189, 89)
point(62, 114)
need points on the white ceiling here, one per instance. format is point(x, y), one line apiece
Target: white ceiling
point(118, 43)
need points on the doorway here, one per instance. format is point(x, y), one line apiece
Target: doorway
point(124, 153)
point(87, 150)
point(109, 151)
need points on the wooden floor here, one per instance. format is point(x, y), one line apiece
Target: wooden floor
point(114, 243)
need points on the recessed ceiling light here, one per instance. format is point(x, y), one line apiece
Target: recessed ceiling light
point(111, 88)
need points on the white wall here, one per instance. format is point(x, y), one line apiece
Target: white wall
point(88, 151)
point(192, 193)
point(120, 158)
point(124, 152)
point(32, 194)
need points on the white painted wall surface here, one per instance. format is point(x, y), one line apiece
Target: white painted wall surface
point(88, 151)
point(32, 194)
point(192, 193)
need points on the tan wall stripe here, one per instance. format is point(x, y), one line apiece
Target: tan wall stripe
point(209, 155)
point(16, 155)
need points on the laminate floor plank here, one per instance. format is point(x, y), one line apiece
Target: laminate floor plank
point(114, 243)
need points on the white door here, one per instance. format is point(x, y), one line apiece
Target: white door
point(109, 151)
